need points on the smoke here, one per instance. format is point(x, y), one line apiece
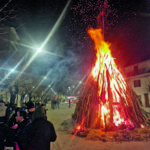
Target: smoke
point(60, 71)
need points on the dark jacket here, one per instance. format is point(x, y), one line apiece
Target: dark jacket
point(39, 134)
point(19, 136)
point(30, 116)
point(6, 136)
point(12, 120)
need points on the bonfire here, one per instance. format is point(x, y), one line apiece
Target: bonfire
point(107, 102)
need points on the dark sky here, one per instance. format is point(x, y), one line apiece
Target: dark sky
point(126, 28)
point(127, 24)
point(131, 36)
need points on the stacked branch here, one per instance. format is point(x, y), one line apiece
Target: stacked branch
point(107, 101)
point(86, 112)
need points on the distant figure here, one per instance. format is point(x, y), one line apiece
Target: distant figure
point(57, 102)
point(40, 132)
point(44, 110)
point(45, 101)
point(37, 104)
point(69, 102)
point(23, 107)
point(9, 111)
point(2, 111)
point(53, 104)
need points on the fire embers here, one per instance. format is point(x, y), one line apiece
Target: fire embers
point(80, 131)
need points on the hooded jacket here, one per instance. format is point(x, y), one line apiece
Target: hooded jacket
point(39, 134)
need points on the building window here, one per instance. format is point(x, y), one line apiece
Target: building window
point(137, 83)
point(146, 100)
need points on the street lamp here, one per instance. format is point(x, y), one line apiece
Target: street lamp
point(12, 70)
point(39, 50)
point(45, 77)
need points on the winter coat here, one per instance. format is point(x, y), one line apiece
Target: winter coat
point(19, 136)
point(39, 134)
point(6, 136)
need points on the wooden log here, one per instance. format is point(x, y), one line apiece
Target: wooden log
point(110, 99)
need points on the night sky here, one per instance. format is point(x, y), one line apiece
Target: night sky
point(126, 28)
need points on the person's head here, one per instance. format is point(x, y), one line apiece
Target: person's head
point(43, 106)
point(21, 115)
point(30, 106)
point(23, 104)
point(16, 110)
point(2, 103)
point(38, 113)
point(37, 104)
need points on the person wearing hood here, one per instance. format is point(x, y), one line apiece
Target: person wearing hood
point(40, 133)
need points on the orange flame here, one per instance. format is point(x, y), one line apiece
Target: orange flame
point(78, 127)
point(142, 126)
point(105, 69)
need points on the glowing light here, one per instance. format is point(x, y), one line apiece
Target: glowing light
point(39, 50)
point(142, 126)
point(12, 70)
point(45, 77)
point(78, 127)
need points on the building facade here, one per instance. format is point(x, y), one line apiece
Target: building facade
point(138, 77)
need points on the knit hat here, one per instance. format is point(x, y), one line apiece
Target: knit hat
point(30, 105)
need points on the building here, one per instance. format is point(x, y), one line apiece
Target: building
point(138, 77)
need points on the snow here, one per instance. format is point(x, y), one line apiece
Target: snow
point(61, 118)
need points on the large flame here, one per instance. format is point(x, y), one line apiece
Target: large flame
point(111, 84)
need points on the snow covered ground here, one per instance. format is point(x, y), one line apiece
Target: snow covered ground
point(61, 118)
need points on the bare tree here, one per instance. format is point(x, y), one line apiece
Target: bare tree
point(7, 11)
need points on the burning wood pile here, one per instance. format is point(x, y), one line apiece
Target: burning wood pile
point(107, 102)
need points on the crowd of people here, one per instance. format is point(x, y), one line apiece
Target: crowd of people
point(25, 128)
